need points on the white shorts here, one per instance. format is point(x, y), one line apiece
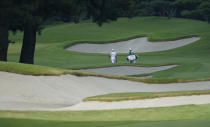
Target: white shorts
point(113, 60)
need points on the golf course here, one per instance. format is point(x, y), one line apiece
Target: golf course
point(59, 78)
point(42, 94)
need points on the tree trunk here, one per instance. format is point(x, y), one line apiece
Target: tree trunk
point(29, 42)
point(3, 35)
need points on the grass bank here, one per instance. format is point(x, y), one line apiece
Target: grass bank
point(37, 70)
point(144, 95)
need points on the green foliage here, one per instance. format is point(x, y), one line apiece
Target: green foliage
point(204, 9)
point(155, 8)
point(195, 9)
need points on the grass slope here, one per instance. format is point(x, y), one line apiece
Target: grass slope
point(186, 116)
point(144, 95)
point(193, 58)
point(30, 69)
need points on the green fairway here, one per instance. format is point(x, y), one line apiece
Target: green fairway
point(185, 116)
point(193, 58)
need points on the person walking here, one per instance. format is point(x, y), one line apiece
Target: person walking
point(131, 52)
point(113, 56)
point(131, 56)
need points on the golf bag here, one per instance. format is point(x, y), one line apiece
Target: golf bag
point(132, 58)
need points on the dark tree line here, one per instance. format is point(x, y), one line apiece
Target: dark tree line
point(195, 9)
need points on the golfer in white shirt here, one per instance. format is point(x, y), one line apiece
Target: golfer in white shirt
point(113, 56)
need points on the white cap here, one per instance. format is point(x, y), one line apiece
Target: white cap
point(130, 49)
point(112, 49)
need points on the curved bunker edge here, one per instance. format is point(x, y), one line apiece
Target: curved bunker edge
point(139, 45)
point(128, 70)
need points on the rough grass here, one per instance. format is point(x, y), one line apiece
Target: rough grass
point(29, 69)
point(186, 116)
point(144, 95)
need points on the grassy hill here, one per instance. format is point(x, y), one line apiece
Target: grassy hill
point(193, 59)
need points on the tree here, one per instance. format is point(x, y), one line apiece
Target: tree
point(36, 12)
point(164, 8)
point(4, 4)
point(195, 9)
point(101, 11)
point(33, 13)
point(155, 8)
point(188, 8)
point(204, 10)
point(9, 20)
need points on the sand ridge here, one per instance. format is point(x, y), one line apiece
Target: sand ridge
point(145, 103)
point(128, 70)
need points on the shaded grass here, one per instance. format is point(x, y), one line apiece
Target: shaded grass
point(176, 123)
point(45, 123)
point(144, 95)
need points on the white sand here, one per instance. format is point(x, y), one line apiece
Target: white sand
point(138, 45)
point(127, 70)
point(26, 92)
point(146, 103)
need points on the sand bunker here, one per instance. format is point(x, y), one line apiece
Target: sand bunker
point(138, 45)
point(146, 103)
point(26, 92)
point(128, 70)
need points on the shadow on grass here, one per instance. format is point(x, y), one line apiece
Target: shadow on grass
point(10, 122)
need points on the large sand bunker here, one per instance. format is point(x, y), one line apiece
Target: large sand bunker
point(138, 45)
point(26, 92)
point(128, 70)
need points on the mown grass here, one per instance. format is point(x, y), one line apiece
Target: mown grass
point(45, 123)
point(160, 117)
point(193, 58)
point(144, 95)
